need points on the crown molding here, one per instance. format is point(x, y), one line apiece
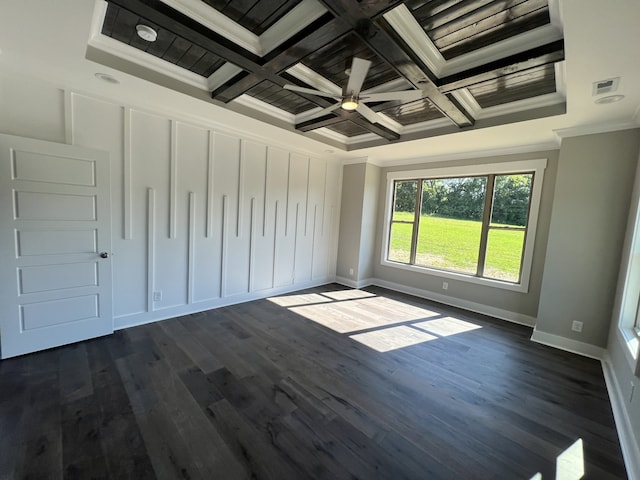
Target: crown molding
point(406, 25)
point(302, 15)
point(129, 53)
point(408, 28)
point(594, 129)
point(312, 78)
point(356, 161)
point(222, 75)
point(493, 152)
point(217, 22)
point(263, 107)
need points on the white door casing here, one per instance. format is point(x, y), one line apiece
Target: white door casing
point(55, 287)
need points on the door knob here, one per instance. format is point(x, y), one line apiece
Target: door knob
point(104, 255)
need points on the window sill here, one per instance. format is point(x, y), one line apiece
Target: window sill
point(514, 287)
point(630, 339)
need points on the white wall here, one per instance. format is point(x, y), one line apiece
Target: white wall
point(207, 216)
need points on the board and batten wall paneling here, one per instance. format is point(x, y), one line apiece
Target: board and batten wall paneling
point(107, 126)
point(203, 217)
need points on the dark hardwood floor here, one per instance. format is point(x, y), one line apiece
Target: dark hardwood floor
point(329, 383)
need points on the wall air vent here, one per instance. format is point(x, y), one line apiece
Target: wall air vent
point(606, 86)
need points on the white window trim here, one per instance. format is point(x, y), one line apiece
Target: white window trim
point(629, 304)
point(537, 166)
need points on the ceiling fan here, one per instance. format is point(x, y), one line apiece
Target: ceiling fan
point(351, 99)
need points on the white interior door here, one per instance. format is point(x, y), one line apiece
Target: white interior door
point(55, 285)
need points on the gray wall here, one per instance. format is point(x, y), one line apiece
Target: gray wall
point(591, 204)
point(353, 181)
point(358, 221)
point(369, 230)
point(519, 303)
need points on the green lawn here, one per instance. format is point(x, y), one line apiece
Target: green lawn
point(453, 244)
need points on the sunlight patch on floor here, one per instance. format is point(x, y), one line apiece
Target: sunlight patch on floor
point(305, 299)
point(350, 311)
point(349, 294)
point(362, 314)
point(569, 464)
point(331, 316)
point(392, 338)
point(443, 327)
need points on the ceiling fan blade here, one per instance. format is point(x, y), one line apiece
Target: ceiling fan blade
point(320, 113)
point(295, 88)
point(367, 113)
point(404, 96)
point(359, 70)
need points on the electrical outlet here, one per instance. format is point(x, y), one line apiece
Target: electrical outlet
point(157, 296)
point(351, 272)
point(576, 326)
point(445, 285)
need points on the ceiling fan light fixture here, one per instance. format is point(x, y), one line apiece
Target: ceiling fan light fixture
point(349, 103)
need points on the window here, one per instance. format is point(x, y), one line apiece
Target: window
point(475, 223)
point(628, 310)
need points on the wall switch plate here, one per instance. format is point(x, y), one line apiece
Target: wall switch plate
point(576, 326)
point(445, 285)
point(157, 296)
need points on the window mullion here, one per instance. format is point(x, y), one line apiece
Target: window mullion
point(416, 221)
point(486, 219)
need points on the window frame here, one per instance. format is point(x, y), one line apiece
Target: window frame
point(536, 166)
point(628, 310)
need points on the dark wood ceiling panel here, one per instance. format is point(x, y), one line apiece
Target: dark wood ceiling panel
point(382, 39)
point(349, 29)
point(511, 88)
point(457, 27)
point(348, 129)
point(333, 60)
point(191, 57)
point(234, 9)
point(256, 16)
point(176, 50)
point(414, 112)
point(275, 96)
point(207, 64)
point(521, 62)
point(120, 24)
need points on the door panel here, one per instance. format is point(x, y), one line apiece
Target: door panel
point(55, 288)
point(53, 206)
point(55, 242)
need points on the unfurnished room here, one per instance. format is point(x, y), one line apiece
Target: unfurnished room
point(319, 239)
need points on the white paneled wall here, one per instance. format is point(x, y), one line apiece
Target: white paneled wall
point(202, 217)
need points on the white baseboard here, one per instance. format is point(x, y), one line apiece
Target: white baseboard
point(444, 299)
point(142, 318)
point(567, 344)
point(349, 282)
point(629, 440)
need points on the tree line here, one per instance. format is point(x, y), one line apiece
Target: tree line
point(463, 198)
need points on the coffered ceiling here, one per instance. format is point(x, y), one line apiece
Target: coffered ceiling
point(476, 63)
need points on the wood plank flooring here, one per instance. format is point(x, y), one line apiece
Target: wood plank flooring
point(329, 383)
